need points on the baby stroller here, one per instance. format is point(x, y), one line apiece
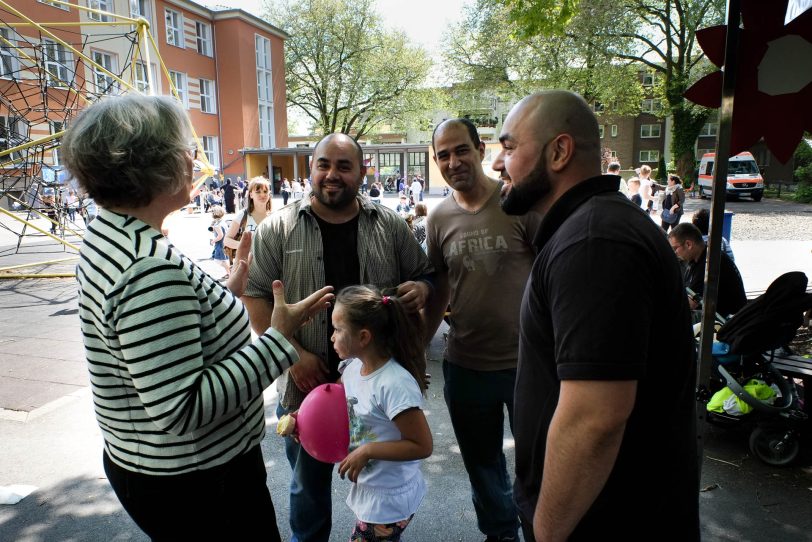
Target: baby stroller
point(744, 352)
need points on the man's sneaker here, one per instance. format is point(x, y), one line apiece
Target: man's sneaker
point(509, 538)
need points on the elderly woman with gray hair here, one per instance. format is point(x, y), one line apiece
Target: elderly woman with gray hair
point(177, 383)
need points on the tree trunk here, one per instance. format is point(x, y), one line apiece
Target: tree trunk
point(687, 125)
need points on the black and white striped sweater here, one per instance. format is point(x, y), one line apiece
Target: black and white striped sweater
point(177, 384)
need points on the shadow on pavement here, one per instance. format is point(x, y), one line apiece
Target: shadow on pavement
point(77, 509)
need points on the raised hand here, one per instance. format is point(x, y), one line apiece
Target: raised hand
point(287, 319)
point(238, 279)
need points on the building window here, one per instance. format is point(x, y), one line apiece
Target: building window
point(598, 107)
point(179, 82)
point(101, 5)
point(648, 79)
point(203, 32)
point(652, 106)
point(601, 130)
point(141, 82)
point(140, 8)
point(210, 150)
point(417, 163)
point(56, 127)
point(207, 98)
point(264, 91)
point(650, 130)
point(60, 6)
point(13, 132)
point(105, 84)
point(613, 154)
point(614, 130)
point(8, 58)
point(709, 129)
point(649, 156)
point(55, 62)
point(174, 28)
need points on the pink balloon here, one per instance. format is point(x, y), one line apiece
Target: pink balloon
point(324, 424)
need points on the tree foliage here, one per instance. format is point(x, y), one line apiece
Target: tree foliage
point(589, 42)
point(344, 70)
point(492, 59)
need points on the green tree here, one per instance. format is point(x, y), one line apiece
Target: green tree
point(490, 61)
point(344, 70)
point(803, 172)
point(662, 170)
point(657, 34)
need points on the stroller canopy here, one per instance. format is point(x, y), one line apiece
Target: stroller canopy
point(771, 320)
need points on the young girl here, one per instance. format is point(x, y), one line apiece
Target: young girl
point(258, 208)
point(383, 379)
point(218, 232)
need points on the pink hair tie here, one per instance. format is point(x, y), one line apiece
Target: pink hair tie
point(385, 300)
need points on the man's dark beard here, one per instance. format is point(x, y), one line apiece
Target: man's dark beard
point(520, 199)
point(346, 198)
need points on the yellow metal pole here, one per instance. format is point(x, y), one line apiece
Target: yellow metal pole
point(209, 169)
point(63, 42)
point(39, 276)
point(42, 215)
point(15, 217)
point(49, 262)
point(34, 61)
point(144, 41)
point(92, 10)
point(30, 144)
point(125, 22)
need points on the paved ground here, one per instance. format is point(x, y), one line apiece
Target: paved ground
point(50, 439)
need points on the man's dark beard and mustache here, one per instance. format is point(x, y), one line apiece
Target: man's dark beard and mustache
point(520, 199)
point(336, 201)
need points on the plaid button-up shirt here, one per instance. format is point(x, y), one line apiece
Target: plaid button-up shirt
point(288, 246)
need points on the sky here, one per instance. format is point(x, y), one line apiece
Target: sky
point(424, 21)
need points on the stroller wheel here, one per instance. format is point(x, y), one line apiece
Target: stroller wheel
point(774, 445)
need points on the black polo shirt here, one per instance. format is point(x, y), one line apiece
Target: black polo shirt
point(605, 301)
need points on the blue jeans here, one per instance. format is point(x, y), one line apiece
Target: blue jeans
point(311, 504)
point(476, 401)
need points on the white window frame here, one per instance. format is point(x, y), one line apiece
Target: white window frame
point(651, 105)
point(54, 130)
point(176, 29)
point(647, 131)
point(181, 82)
point(211, 150)
point(9, 125)
point(262, 49)
point(60, 6)
point(101, 5)
point(140, 8)
point(103, 83)
point(601, 130)
point(651, 155)
point(203, 39)
point(57, 66)
point(648, 79)
point(613, 130)
point(709, 129)
point(208, 96)
point(7, 52)
point(140, 81)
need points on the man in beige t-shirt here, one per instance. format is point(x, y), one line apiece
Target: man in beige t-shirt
point(482, 258)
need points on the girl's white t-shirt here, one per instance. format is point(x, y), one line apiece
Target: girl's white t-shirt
point(386, 491)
